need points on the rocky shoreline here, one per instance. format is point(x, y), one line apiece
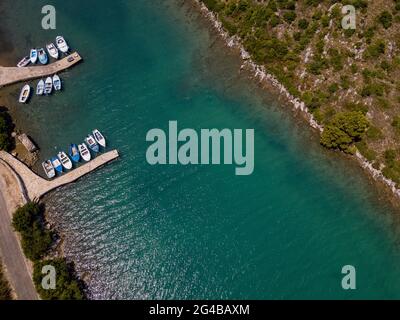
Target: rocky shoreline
point(261, 74)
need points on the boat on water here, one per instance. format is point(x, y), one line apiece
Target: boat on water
point(34, 56)
point(62, 44)
point(48, 86)
point(74, 153)
point(40, 88)
point(65, 161)
point(99, 138)
point(25, 94)
point(43, 58)
point(24, 62)
point(84, 152)
point(56, 82)
point(57, 164)
point(49, 169)
point(52, 50)
point(92, 143)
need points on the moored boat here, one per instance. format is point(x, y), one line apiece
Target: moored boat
point(92, 144)
point(84, 152)
point(57, 164)
point(24, 62)
point(62, 44)
point(40, 88)
point(25, 94)
point(49, 169)
point(52, 50)
point(74, 153)
point(99, 138)
point(34, 56)
point(43, 58)
point(56, 82)
point(48, 87)
point(65, 161)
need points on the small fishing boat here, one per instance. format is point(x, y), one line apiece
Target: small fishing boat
point(85, 153)
point(48, 86)
point(56, 82)
point(92, 143)
point(52, 50)
point(24, 62)
point(65, 161)
point(57, 164)
point(99, 138)
point(34, 56)
point(43, 58)
point(74, 153)
point(49, 169)
point(25, 93)
point(40, 88)
point(62, 44)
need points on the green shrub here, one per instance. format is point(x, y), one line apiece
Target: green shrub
point(5, 290)
point(67, 285)
point(374, 133)
point(303, 24)
point(344, 129)
point(28, 221)
point(368, 153)
point(289, 16)
point(386, 19)
point(390, 157)
point(375, 50)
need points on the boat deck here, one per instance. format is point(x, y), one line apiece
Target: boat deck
point(10, 75)
point(35, 187)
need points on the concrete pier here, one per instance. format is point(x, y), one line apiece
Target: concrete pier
point(36, 187)
point(10, 75)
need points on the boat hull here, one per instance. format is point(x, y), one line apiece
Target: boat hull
point(57, 165)
point(25, 94)
point(99, 138)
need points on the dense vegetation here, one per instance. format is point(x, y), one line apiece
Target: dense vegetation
point(67, 287)
point(336, 72)
point(5, 290)
point(36, 242)
point(6, 128)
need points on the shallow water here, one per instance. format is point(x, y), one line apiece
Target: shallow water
point(176, 232)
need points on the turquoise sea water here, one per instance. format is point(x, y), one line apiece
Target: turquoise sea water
point(177, 232)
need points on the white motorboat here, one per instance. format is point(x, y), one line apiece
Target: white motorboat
point(34, 56)
point(62, 44)
point(85, 153)
point(52, 50)
point(24, 62)
point(49, 169)
point(99, 138)
point(93, 145)
point(43, 58)
point(65, 161)
point(40, 88)
point(25, 94)
point(56, 82)
point(48, 88)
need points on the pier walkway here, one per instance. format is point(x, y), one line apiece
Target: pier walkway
point(10, 75)
point(36, 187)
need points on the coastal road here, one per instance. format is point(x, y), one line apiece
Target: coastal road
point(13, 258)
